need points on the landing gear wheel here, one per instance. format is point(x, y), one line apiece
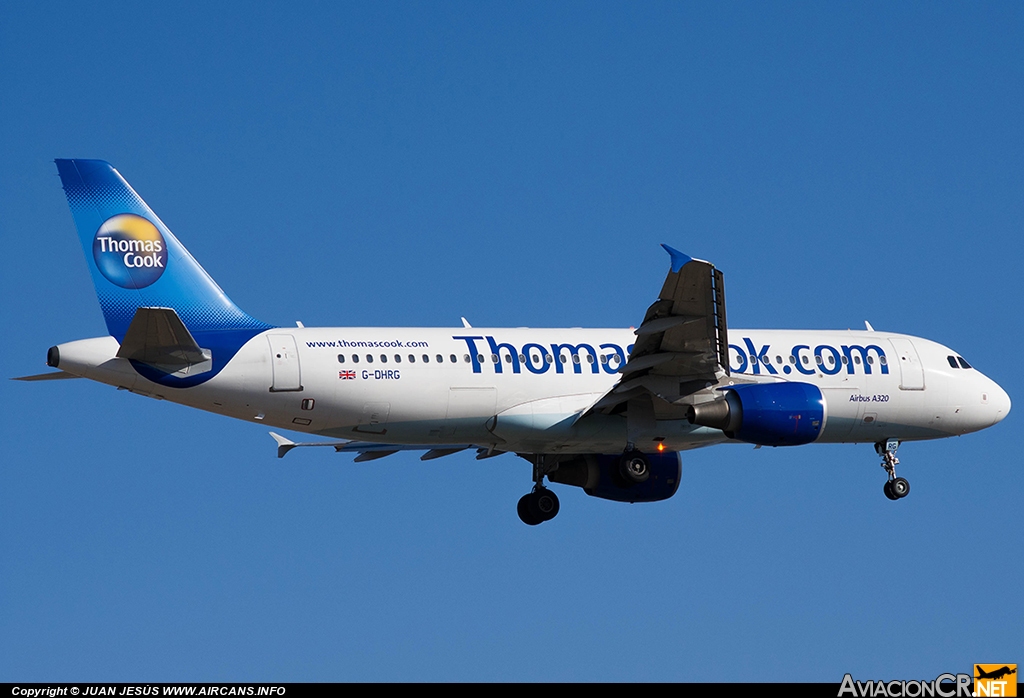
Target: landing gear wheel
point(543, 503)
point(887, 488)
point(526, 514)
point(634, 468)
point(900, 487)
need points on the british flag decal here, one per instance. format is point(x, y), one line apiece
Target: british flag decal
point(346, 375)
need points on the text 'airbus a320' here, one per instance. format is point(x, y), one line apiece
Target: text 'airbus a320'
point(606, 410)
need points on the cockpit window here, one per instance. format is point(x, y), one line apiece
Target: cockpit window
point(963, 363)
point(952, 361)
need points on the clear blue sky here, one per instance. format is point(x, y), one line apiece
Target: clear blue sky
point(516, 163)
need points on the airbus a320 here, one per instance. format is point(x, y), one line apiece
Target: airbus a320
point(607, 410)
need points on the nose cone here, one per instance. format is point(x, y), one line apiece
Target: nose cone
point(1000, 403)
point(980, 403)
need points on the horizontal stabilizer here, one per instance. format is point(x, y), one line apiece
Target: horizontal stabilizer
point(157, 337)
point(371, 451)
point(51, 376)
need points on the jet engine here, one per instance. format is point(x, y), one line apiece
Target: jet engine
point(622, 477)
point(767, 414)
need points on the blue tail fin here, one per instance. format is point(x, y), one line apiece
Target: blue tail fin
point(136, 262)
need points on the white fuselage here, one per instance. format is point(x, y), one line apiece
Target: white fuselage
point(523, 389)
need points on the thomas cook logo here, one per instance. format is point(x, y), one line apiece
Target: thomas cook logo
point(995, 679)
point(130, 251)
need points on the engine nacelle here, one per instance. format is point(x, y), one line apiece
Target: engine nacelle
point(601, 476)
point(767, 414)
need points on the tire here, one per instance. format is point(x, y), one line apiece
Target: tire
point(525, 511)
point(887, 488)
point(900, 487)
point(634, 468)
point(544, 503)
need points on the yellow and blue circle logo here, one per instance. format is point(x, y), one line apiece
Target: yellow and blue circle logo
point(130, 251)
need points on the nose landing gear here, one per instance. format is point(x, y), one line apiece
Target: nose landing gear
point(895, 487)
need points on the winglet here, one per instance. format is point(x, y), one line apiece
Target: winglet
point(868, 325)
point(283, 445)
point(678, 258)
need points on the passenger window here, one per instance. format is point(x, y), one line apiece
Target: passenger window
point(871, 359)
point(792, 359)
point(440, 359)
point(465, 358)
point(383, 358)
point(963, 363)
point(479, 358)
point(604, 358)
point(341, 358)
point(369, 358)
point(494, 358)
point(412, 358)
point(561, 358)
point(952, 361)
point(453, 358)
point(817, 359)
point(778, 359)
point(398, 358)
point(856, 360)
point(426, 359)
point(508, 358)
point(590, 358)
point(883, 361)
point(355, 358)
point(536, 359)
point(548, 359)
point(575, 358)
point(805, 360)
point(845, 359)
point(522, 359)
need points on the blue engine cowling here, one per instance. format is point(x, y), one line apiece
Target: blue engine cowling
point(599, 476)
point(767, 414)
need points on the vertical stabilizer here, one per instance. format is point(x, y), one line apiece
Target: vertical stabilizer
point(135, 261)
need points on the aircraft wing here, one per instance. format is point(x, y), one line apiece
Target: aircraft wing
point(682, 345)
point(372, 451)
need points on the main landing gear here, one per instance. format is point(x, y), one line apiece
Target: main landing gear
point(538, 506)
point(895, 487)
point(541, 504)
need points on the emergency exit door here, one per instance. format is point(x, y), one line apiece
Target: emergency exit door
point(284, 357)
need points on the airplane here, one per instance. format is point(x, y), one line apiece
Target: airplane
point(606, 410)
point(996, 674)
